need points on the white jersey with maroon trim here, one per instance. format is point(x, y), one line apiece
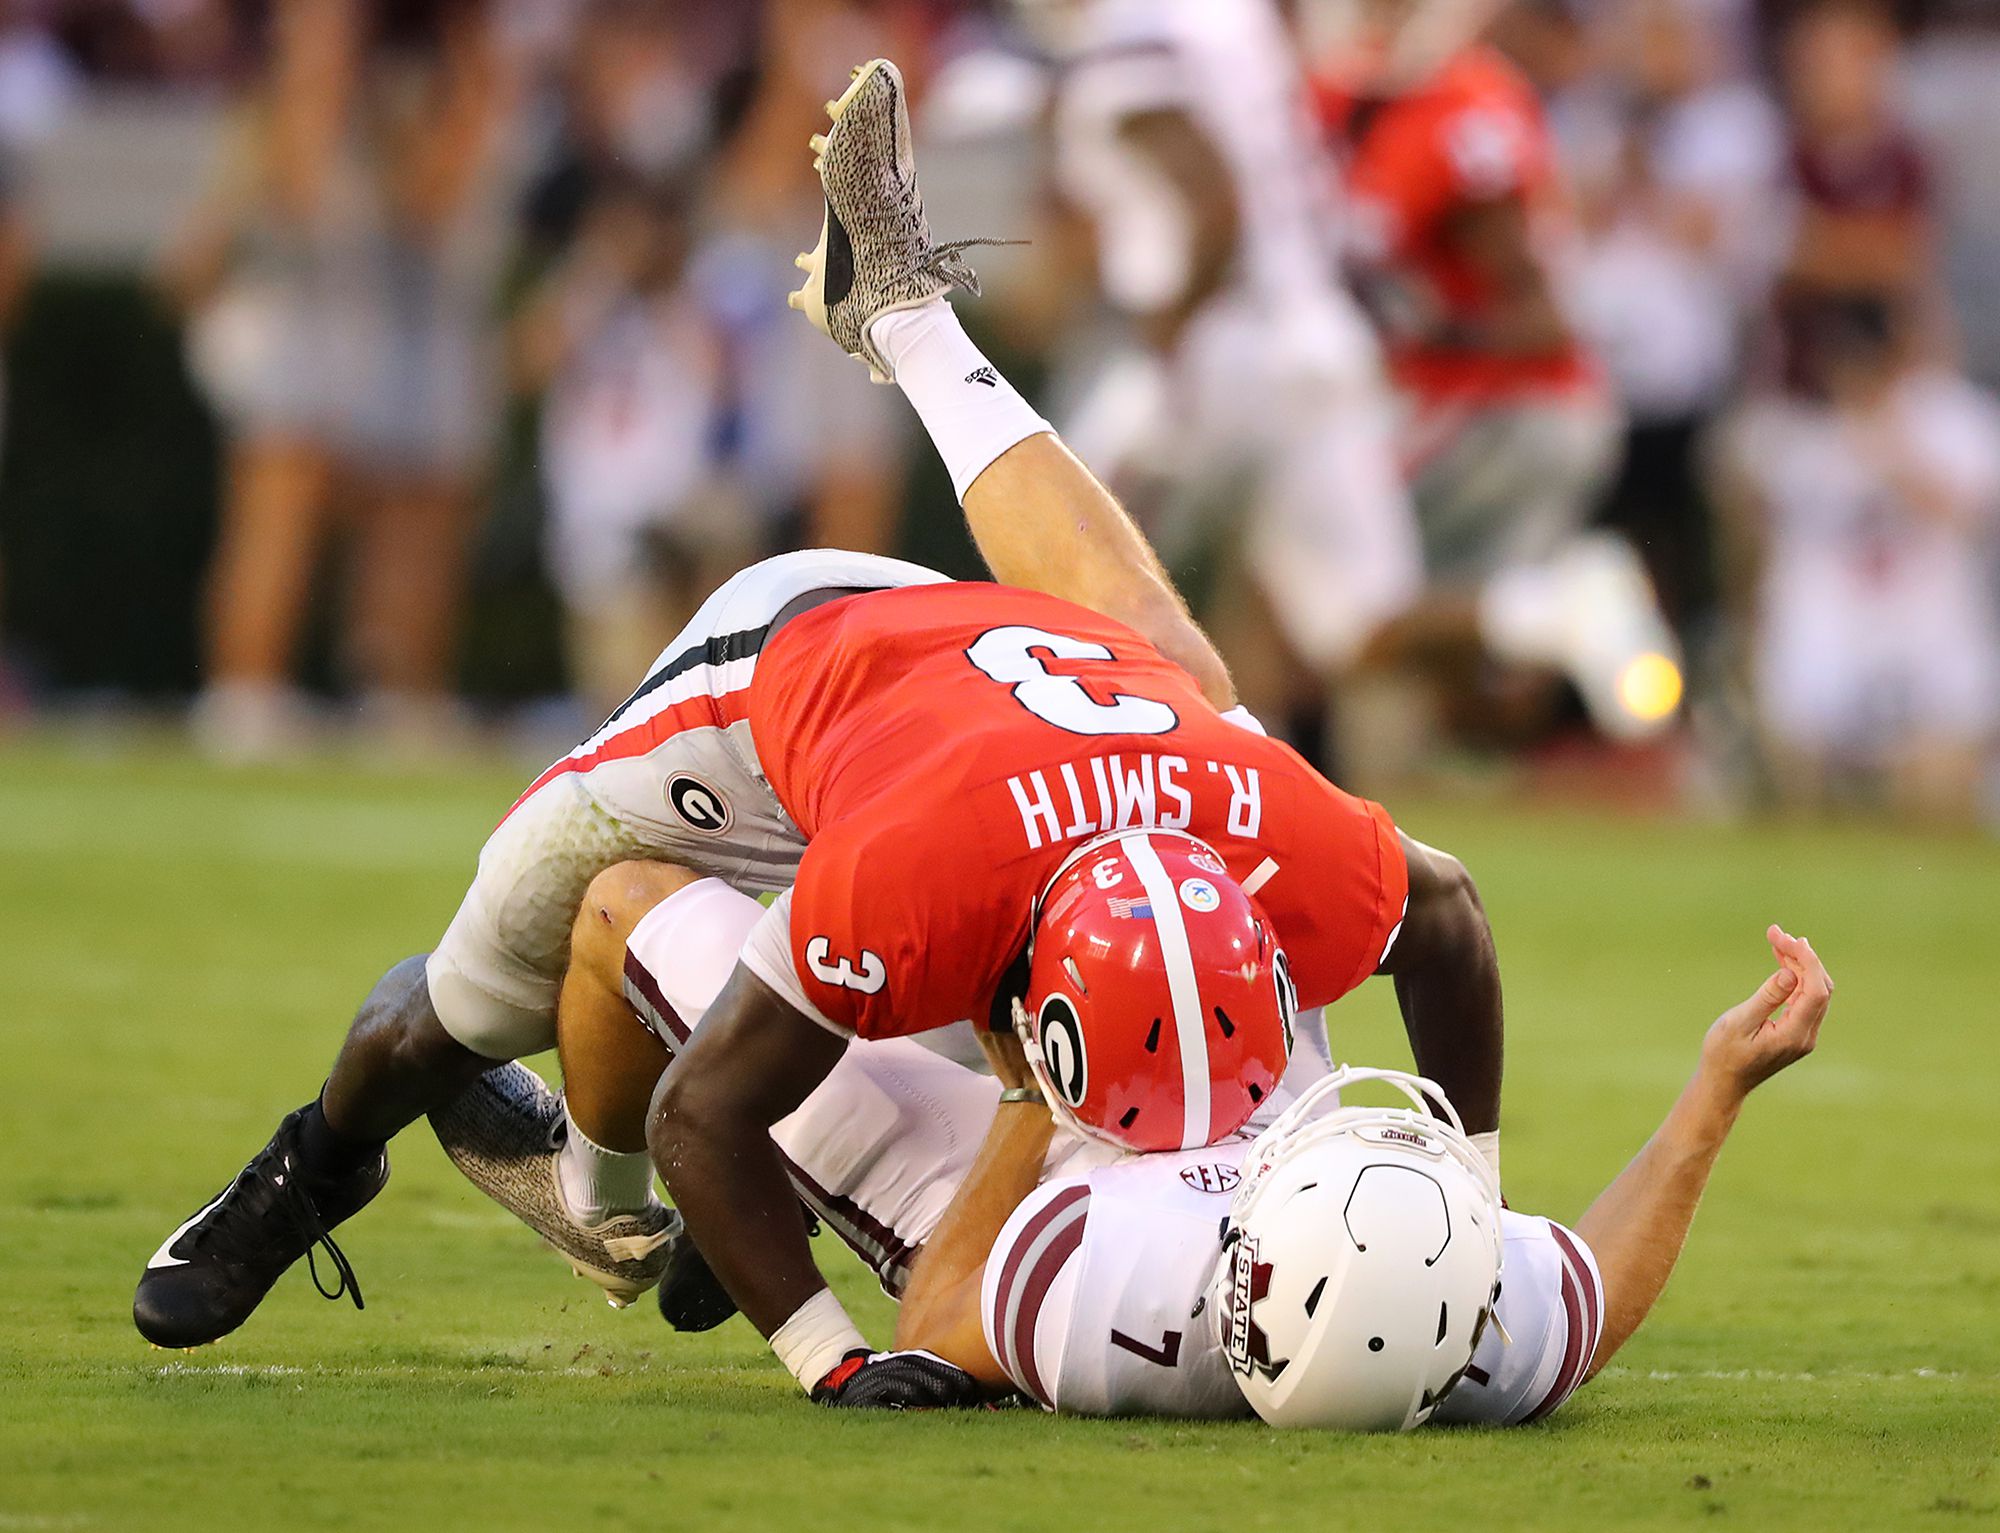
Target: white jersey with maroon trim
point(1228, 65)
point(1095, 1300)
point(672, 776)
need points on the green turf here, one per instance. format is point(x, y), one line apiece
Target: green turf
point(180, 949)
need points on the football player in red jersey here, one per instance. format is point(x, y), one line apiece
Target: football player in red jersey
point(942, 749)
point(1457, 219)
point(914, 759)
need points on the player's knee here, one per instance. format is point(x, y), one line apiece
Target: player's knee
point(616, 901)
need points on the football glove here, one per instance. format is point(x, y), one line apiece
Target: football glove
point(897, 1381)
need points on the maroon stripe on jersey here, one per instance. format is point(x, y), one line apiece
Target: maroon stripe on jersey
point(645, 990)
point(1034, 1291)
point(1010, 1272)
point(888, 1253)
point(885, 1252)
point(1593, 1321)
point(1573, 1348)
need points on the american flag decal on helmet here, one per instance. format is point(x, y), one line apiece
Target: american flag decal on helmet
point(1137, 908)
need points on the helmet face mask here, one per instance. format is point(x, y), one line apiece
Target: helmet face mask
point(1158, 1009)
point(1361, 1262)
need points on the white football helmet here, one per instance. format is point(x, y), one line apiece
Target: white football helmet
point(1386, 47)
point(1361, 1262)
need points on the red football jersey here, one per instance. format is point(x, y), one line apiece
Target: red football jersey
point(1474, 132)
point(944, 747)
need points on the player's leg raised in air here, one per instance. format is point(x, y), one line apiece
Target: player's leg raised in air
point(876, 283)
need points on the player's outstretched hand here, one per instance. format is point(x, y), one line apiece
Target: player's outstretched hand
point(897, 1381)
point(1776, 1027)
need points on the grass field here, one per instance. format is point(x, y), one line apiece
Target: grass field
point(180, 950)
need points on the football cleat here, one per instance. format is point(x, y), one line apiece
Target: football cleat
point(212, 1272)
point(692, 1297)
point(506, 1133)
point(1591, 613)
point(875, 253)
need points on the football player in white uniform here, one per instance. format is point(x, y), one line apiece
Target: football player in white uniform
point(1338, 1268)
point(1248, 378)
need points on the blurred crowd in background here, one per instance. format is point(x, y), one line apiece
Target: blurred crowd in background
point(1587, 394)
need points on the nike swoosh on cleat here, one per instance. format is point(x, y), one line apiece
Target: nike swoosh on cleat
point(164, 1257)
point(837, 275)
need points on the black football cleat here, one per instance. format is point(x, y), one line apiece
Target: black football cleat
point(210, 1274)
point(692, 1298)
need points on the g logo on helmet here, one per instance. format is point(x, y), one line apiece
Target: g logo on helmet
point(698, 804)
point(1061, 1037)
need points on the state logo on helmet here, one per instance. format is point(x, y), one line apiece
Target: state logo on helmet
point(1158, 1012)
point(1361, 1261)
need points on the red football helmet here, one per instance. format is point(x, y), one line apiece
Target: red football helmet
point(1159, 1010)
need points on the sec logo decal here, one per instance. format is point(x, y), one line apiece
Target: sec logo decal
point(1199, 895)
point(699, 805)
point(1211, 1177)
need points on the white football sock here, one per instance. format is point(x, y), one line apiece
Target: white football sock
point(972, 413)
point(600, 1184)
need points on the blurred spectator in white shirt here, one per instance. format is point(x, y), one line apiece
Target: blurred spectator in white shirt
point(1872, 497)
point(644, 518)
point(1677, 164)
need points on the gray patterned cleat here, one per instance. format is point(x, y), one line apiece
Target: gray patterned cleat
point(875, 252)
point(506, 1133)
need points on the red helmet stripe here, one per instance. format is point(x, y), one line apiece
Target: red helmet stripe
point(1182, 985)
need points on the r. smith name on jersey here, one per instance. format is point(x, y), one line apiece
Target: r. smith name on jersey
point(1126, 790)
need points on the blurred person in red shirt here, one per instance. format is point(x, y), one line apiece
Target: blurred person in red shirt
point(1459, 220)
point(1459, 235)
point(1863, 186)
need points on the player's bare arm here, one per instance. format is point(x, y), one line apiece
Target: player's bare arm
point(1175, 146)
point(1638, 1224)
point(1526, 320)
point(940, 1307)
point(1043, 521)
point(753, 1060)
point(1447, 979)
point(1040, 518)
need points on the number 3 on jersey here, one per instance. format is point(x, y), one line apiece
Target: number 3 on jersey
point(1008, 656)
point(868, 979)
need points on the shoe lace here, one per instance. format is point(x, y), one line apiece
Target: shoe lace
point(237, 1233)
point(947, 262)
point(901, 221)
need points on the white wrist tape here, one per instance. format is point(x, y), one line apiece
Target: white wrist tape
point(817, 1337)
point(1488, 1146)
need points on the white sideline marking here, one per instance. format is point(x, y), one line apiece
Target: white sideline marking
point(1656, 1375)
point(1780, 1376)
point(370, 1370)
